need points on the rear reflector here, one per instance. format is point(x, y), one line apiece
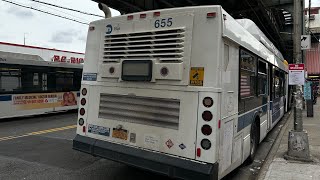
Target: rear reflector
point(219, 124)
point(156, 14)
point(211, 14)
point(198, 152)
point(84, 129)
point(143, 15)
point(130, 17)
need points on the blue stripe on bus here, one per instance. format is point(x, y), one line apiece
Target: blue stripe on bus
point(6, 98)
point(246, 120)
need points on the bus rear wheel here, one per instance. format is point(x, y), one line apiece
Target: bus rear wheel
point(253, 142)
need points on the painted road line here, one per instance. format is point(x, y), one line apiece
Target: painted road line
point(38, 132)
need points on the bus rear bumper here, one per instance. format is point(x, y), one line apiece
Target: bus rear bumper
point(156, 162)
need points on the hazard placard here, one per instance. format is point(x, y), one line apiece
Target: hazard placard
point(196, 76)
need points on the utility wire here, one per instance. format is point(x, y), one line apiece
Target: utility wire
point(28, 7)
point(55, 9)
point(82, 12)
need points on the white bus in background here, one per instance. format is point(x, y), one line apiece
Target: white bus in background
point(185, 92)
point(30, 86)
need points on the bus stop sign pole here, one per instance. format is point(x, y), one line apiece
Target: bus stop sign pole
point(298, 144)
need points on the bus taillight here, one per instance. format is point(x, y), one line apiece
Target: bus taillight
point(207, 102)
point(83, 129)
point(84, 91)
point(83, 101)
point(207, 116)
point(82, 111)
point(205, 144)
point(81, 121)
point(206, 130)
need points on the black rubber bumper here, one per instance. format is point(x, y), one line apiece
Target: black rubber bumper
point(156, 162)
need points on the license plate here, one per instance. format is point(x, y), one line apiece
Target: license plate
point(120, 133)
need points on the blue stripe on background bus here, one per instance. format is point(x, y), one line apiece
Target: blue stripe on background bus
point(6, 98)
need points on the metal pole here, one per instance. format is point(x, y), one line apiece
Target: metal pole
point(298, 144)
point(297, 59)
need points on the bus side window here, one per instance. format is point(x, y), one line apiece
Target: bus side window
point(247, 75)
point(262, 78)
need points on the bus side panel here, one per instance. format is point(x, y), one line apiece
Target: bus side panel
point(230, 152)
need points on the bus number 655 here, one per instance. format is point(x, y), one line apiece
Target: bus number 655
point(163, 23)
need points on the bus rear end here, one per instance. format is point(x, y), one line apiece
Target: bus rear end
point(145, 101)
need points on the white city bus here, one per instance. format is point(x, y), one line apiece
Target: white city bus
point(185, 92)
point(30, 86)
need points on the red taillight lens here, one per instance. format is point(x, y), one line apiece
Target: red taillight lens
point(83, 101)
point(207, 102)
point(82, 111)
point(206, 130)
point(198, 152)
point(130, 17)
point(219, 124)
point(83, 129)
point(211, 14)
point(143, 15)
point(156, 14)
point(207, 115)
point(84, 91)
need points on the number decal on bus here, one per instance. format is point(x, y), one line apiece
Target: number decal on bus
point(163, 22)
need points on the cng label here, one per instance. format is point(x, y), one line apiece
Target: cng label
point(196, 76)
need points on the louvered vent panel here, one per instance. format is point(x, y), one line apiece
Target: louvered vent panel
point(165, 44)
point(142, 110)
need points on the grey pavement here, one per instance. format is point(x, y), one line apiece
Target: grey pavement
point(278, 168)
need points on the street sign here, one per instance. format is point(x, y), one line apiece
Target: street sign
point(307, 90)
point(296, 74)
point(305, 42)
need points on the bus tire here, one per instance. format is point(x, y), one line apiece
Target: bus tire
point(254, 141)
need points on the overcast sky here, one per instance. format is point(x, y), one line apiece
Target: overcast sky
point(46, 30)
point(49, 31)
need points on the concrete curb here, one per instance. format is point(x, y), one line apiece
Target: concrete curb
point(274, 148)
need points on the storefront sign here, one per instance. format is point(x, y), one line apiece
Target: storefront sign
point(73, 60)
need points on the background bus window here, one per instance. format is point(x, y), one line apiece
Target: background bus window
point(36, 79)
point(10, 79)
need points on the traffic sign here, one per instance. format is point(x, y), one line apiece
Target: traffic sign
point(296, 74)
point(305, 42)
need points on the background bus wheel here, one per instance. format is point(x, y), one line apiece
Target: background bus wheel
point(253, 142)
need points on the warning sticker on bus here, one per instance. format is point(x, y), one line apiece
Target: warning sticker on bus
point(196, 76)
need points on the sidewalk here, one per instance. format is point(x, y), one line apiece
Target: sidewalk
point(280, 169)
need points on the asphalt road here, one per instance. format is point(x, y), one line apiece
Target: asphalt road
point(41, 148)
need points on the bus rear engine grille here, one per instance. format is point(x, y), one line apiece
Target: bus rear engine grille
point(165, 44)
point(141, 110)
